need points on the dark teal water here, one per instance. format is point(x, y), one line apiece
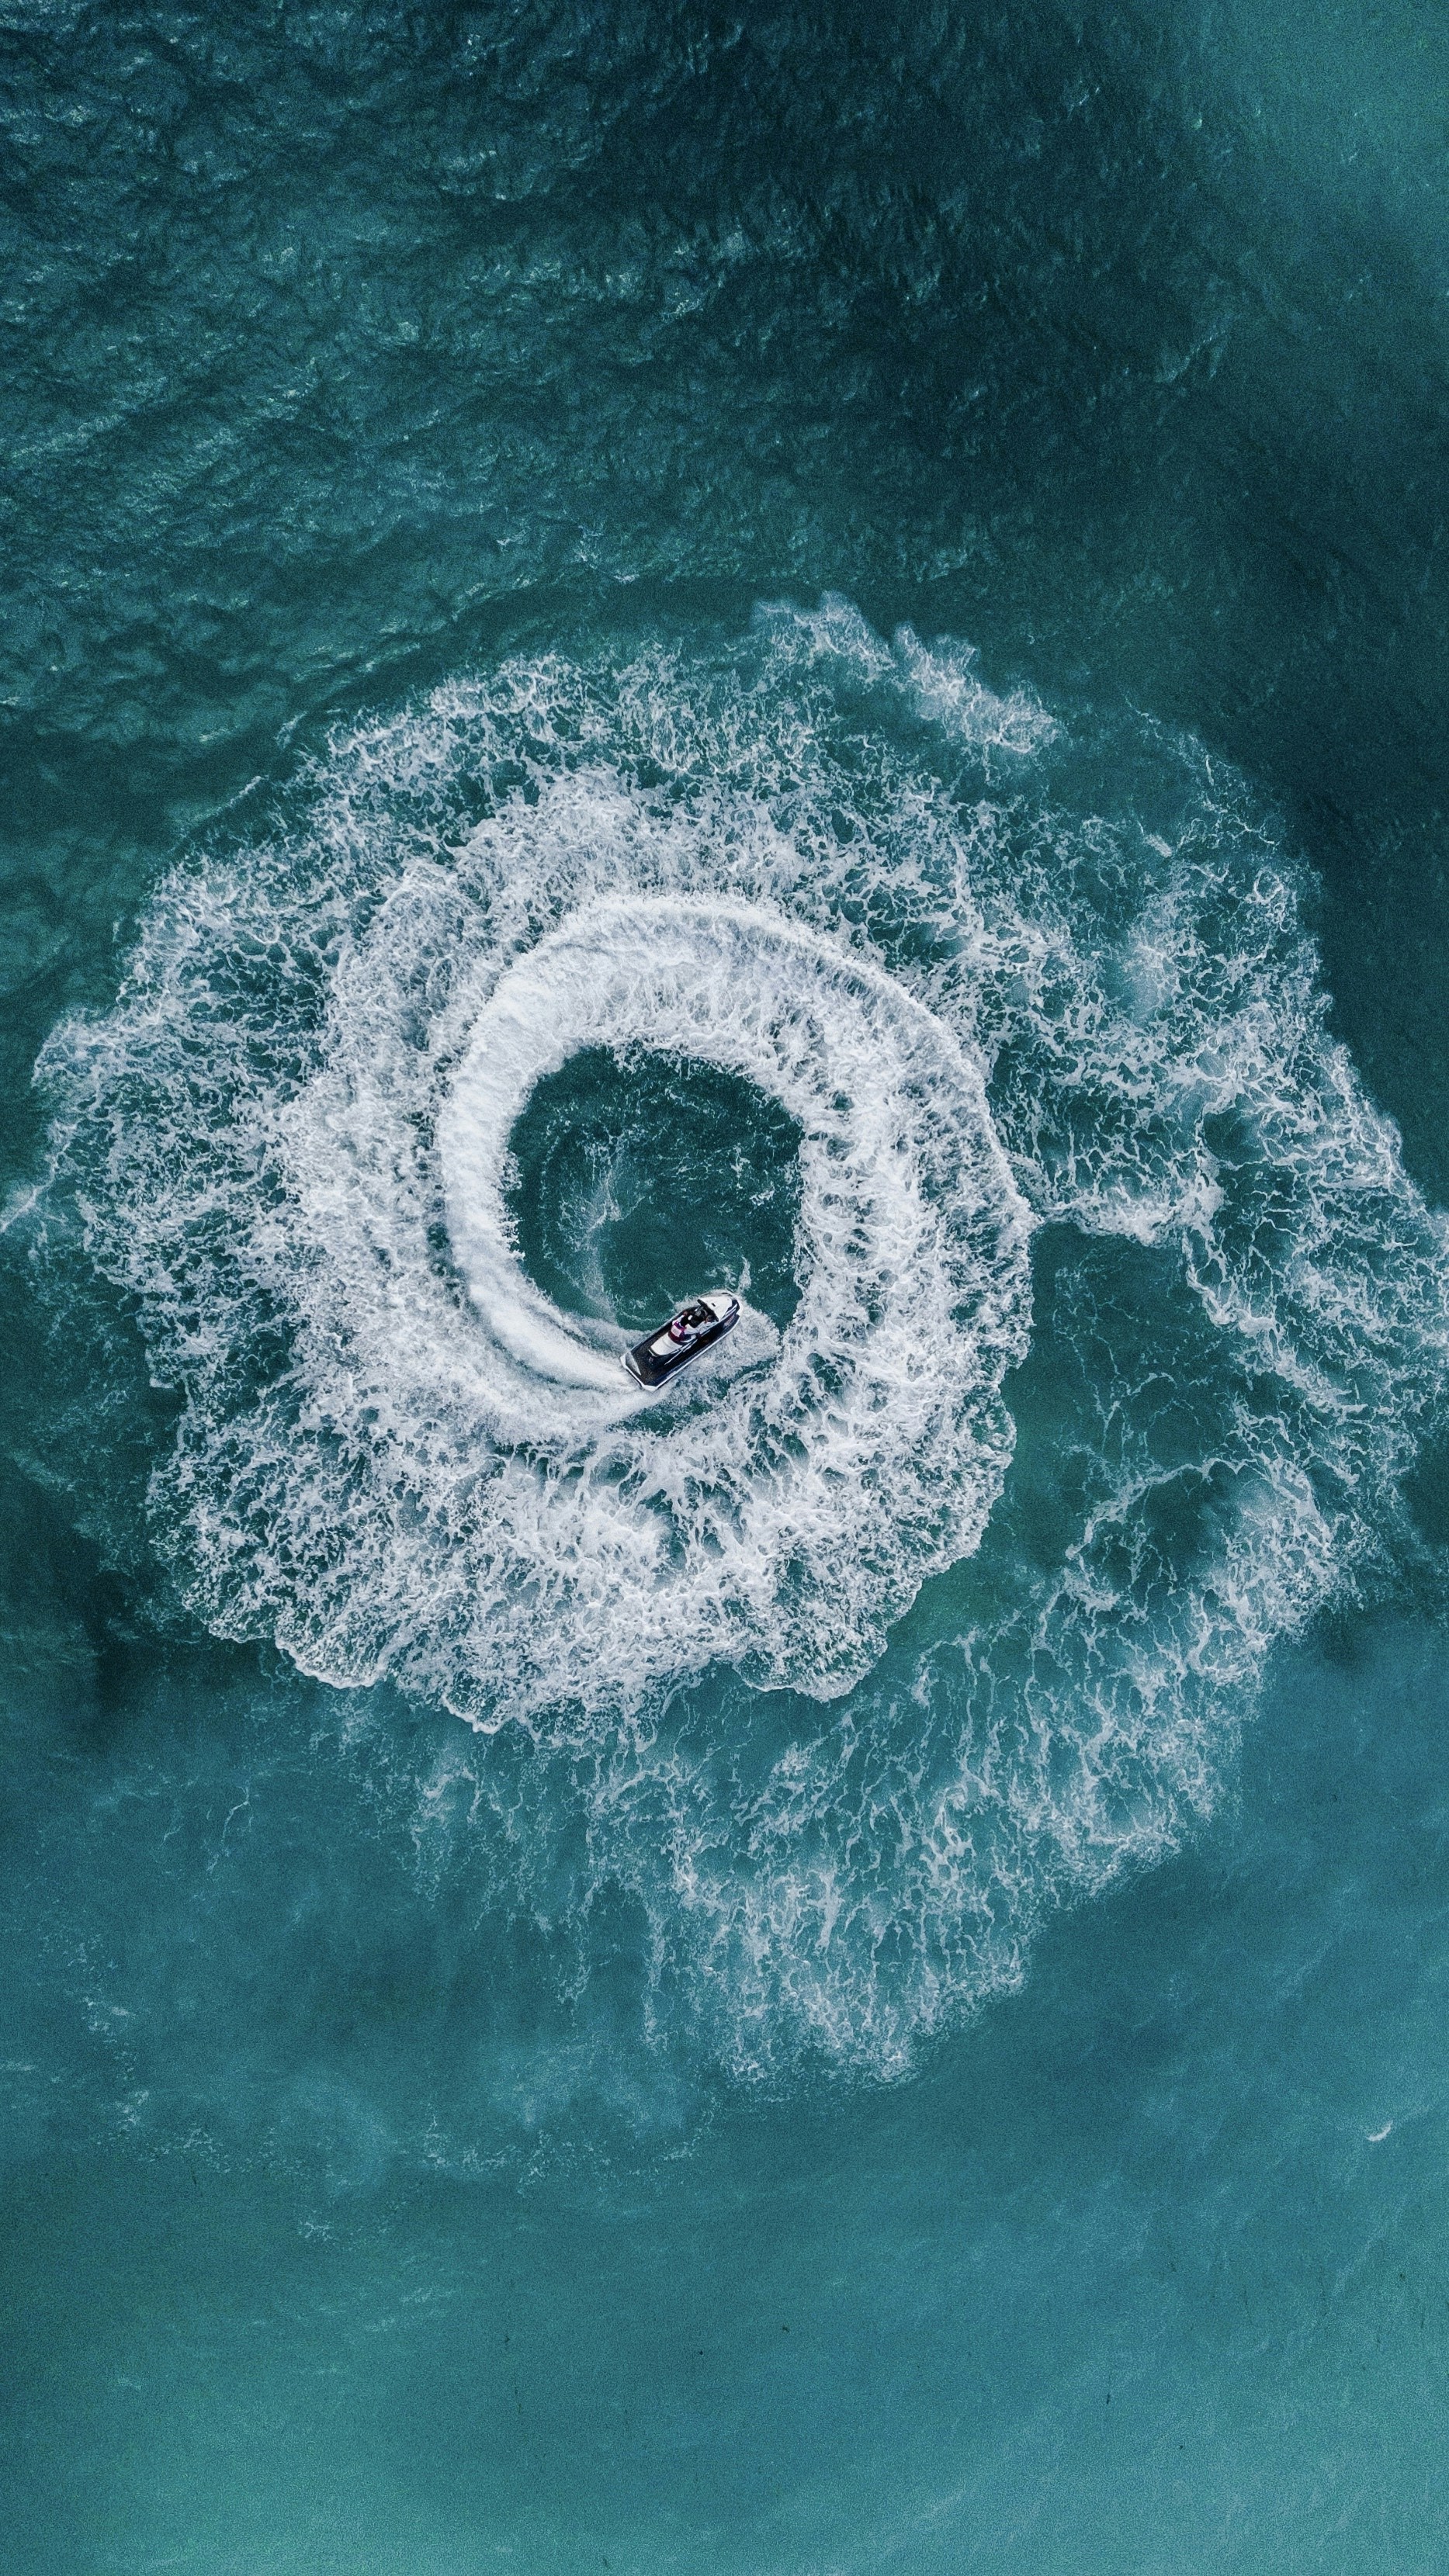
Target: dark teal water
point(801, 651)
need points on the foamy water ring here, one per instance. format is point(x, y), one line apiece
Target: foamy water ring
point(843, 881)
point(780, 1509)
point(912, 1240)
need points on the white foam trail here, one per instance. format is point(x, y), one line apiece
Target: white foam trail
point(986, 1016)
point(779, 1510)
point(847, 1052)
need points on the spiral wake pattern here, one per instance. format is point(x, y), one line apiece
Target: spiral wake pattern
point(1117, 1317)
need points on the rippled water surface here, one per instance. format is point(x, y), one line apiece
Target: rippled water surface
point(802, 653)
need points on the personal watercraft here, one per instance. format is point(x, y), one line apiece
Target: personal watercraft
point(671, 1347)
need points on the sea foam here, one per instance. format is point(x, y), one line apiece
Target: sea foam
point(1021, 1028)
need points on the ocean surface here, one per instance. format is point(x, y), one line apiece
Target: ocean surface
point(799, 649)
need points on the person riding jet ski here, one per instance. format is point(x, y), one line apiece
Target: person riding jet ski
point(671, 1346)
point(690, 1322)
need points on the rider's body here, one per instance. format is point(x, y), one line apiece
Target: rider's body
point(691, 1320)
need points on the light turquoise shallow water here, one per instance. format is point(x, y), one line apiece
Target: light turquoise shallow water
point(801, 650)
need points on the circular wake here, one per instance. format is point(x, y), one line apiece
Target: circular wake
point(784, 1519)
point(1043, 1017)
point(526, 1533)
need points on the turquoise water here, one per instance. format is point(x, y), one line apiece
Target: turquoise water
point(800, 651)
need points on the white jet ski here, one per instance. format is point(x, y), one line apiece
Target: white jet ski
point(671, 1347)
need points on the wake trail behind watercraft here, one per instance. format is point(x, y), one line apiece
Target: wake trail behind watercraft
point(999, 1030)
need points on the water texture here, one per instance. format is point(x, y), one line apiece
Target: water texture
point(799, 652)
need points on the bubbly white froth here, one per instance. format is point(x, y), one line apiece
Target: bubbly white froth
point(844, 872)
point(889, 1274)
point(778, 1520)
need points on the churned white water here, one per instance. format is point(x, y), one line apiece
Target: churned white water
point(1011, 990)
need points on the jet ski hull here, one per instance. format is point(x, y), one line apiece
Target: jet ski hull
point(654, 1361)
